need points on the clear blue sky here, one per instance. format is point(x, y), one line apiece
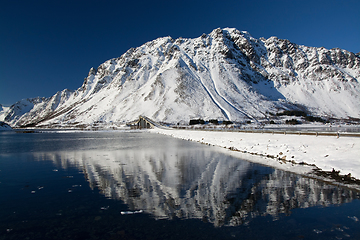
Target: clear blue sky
point(47, 46)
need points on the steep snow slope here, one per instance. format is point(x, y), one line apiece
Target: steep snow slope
point(3, 112)
point(226, 74)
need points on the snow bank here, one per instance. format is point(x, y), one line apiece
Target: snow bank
point(325, 152)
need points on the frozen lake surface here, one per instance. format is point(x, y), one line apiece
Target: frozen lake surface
point(140, 185)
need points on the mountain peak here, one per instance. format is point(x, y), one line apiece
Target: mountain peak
point(226, 75)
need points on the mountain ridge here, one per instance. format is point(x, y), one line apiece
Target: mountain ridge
point(226, 75)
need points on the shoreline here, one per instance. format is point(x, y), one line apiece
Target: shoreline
point(332, 158)
point(329, 158)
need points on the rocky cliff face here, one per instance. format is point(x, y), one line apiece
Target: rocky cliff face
point(226, 74)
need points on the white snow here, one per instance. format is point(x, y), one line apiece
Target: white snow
point(3, 112)
point(326, 152)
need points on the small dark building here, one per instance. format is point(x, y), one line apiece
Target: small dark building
point(143, 123)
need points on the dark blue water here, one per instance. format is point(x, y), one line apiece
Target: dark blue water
point(137, 185)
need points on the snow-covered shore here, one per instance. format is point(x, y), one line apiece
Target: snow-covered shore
point(325, 152)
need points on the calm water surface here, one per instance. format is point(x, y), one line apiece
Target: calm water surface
point(137, 185)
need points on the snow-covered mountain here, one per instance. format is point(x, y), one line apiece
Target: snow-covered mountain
point(226, 74)
point(3, 112)
point(4, 126)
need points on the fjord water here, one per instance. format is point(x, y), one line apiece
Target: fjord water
point(139, 185)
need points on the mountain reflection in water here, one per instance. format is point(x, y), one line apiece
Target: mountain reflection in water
point(171, 178)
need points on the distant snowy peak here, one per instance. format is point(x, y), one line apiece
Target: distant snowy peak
point(226, 75)
point(4, 126)
point(29, 112)
point(3, 112)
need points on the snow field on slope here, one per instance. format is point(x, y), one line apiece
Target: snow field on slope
point(3, 112)
point(326, 152)
point(324, 98)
